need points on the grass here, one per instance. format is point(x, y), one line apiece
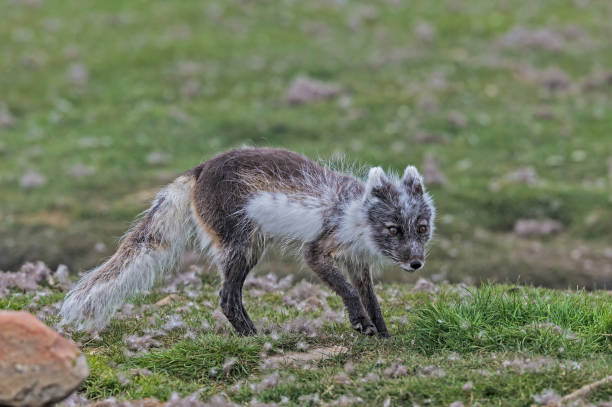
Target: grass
point(103, 85)
point(511, 342)
point(511, 318)
point(195, 78)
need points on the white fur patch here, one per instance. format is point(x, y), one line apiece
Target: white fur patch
point(353, 230)
point(280, 215)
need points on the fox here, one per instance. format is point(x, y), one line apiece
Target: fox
point(237, 203)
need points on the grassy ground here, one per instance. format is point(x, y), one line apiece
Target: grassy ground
point(489, 346)
point(109, 100)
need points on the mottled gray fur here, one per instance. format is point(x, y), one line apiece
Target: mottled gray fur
point(241, 200)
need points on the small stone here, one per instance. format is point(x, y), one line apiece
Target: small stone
point(190, 89)
point(424, 285)
point(62, 277)
point(431, 171)
point(7, 120)
point(554, 79)
point(544, 113)
point(229, 364)
point(80, 170)
point(536, 39)
point(468, 386)
point(537, 227)
point(456, 120)
point(546, 397)
point(425, 32)
point(37, 365)
point(174, 323)
point(157, 158)
point(349, 368)
point(78, 75)
point(395, 370)
point(100, 247)
point(170, 299)
point(341, 378)
point(305, 90)
point(431, 371)
point(523, 175)
point(268, 382)
point(32, 179)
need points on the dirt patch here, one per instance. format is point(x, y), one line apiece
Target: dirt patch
point(50, 218)
point(142, 197)
point(313, 355)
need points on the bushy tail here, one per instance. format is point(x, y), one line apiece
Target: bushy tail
point(149, 248)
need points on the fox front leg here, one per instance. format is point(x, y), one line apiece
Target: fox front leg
point(361, 276)
point(324, 266)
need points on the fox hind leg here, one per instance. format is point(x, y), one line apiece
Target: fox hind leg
point(235, 266)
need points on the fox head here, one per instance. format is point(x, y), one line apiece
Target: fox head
point(400, 216)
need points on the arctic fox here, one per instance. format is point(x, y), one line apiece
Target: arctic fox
point(240, 200)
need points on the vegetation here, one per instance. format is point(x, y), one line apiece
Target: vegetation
point(110, 100)
point(511, 343)
point(505, 106)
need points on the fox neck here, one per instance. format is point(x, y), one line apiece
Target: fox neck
point(354, 231)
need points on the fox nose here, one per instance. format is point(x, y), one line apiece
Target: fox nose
point(415, 264)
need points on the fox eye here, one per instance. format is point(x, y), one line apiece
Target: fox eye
point(422, 229)
point(393, 230)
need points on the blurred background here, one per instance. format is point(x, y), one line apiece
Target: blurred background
point(504, 106)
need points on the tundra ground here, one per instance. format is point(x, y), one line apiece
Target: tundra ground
point(489, 346)
point(504, 106)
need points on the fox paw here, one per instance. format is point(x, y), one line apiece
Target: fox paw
point(365, 326)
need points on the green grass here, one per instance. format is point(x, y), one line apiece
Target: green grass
point(511, 342)
point(511, 318)
point(140, 55)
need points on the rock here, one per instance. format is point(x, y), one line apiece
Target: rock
point(80, 170)
point(456, 120)
point(431, 171)
point(170, 299)
point(395, 370)
point(190, 89)
point(547, 397)
point(523, 175)
point(304, 90)
point(32, 179)
point(78, 74)
point(425, 32)
point(523, 38)
point(341, 378)
point(554, 79)
point(7, 120)
point(37, 365)
point(544, 113)
point(424, 285)
point(157, 158)
point(31, 275)
point(537, 227)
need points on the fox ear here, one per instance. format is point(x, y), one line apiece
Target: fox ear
point(413, 180)
point(376, 179)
